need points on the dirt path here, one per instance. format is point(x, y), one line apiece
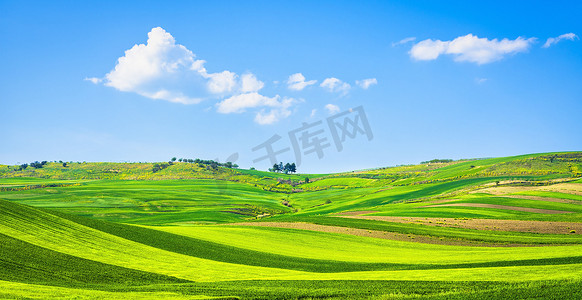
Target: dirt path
point(497, 206)
point(377, 234)
point(485, 224)
point(539, 198)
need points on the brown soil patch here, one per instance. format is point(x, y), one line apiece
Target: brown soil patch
point(356, 213)
point(566, 188)
point(485, 224)
point(538, 198)
point(496, 206)
point(377, 234)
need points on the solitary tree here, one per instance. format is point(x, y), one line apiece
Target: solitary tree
point(173, 159)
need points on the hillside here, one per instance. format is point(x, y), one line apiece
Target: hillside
point(483, 228)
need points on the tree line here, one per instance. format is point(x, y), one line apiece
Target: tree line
point(287, 168)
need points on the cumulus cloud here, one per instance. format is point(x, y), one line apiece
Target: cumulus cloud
point(332, 109)
point(250, 83)
point(366, 83)
point(277, 108)
point(552, 41)
point(162, 69)
point(404, 41)
point(470, 48)
point(335, 85)
point(297, 82)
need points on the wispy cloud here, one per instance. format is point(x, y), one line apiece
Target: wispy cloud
point(554, 40)
point(332, 108)
point(297, 82)
point(334, 85)
point(94, 80)
point(480, 80)
point(366, 83)
point(470, 48)
point(404, 41)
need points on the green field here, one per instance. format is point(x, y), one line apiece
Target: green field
point(470, 229)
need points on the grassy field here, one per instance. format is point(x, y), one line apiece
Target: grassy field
point(471, 229)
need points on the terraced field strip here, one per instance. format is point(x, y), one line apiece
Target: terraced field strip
point(506, 207)
point(48, 231)
point(484, 224)
point(549, 199)
point(369, 233)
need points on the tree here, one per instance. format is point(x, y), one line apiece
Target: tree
point(306, 179)
point(287, 168)
point(23, 166)
point(292, 168)
point(180, 160)
point(65, 164)
point(173, 159)
point(37, 165)
point(276, 168)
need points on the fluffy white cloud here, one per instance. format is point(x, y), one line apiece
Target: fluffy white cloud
point(297, 82)
point(566, 36)
point(335, 85)
point(220, 83)
point(470, 48)
point(332, 109)
point(250, 83)
point(164, 70)
point(404, 41)
point(366, 83)
point(274, 115)
point(277, 108)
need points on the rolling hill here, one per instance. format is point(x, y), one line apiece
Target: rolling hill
point(470, 229)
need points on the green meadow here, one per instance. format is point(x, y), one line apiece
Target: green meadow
point(471, 229)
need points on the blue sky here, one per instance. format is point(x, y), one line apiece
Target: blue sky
point(145, 81)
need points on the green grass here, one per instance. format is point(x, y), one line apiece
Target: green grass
point(119, 230)
point(24, 262)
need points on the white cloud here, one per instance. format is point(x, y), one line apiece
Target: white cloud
point(94, 80)
point(366, 83)
point(250, 83)
point(404, 41)
point(335, 85)
point(470, 48)
point(297, 82)
point(222, 82)
point(566, 36)
point(164, 70)
point(332, 109)
point(480, 80)
point(313, 112)
point(274, 115)
point(278, 108)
